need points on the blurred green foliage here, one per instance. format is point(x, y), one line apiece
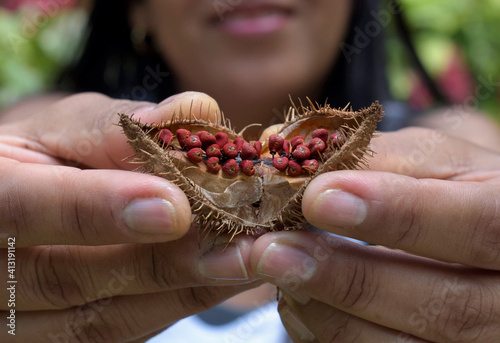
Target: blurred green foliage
point(438, 27)
point(34, 46)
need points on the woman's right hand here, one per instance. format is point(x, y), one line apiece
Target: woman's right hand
point(102, 254)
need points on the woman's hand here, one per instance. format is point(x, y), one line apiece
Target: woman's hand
point(437, 276)
point(75, 221)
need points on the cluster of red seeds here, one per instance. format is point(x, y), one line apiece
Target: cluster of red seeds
point(217, 151)
point(232, 156)
point(297, 155)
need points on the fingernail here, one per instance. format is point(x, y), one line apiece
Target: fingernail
point(294, 323)
point(170, 99)
point(335, 207)
point(151, 215)
point(286, 266)
point(223, 263)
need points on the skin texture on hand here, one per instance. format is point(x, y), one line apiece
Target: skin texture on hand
point(103, 254)
point(431, 203)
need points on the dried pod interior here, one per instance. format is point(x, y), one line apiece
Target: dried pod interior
point(239, 186)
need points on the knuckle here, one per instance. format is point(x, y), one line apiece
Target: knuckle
point(340, 330)
point(485, 242)
point(464, 314)
point(91, 323)
point(196, 299)
point(358, 288)
point(52, 282)
point(14, 211)
point(154, 269)
point(408, 227)
point(80, 215)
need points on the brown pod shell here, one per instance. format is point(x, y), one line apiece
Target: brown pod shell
point(270, 199)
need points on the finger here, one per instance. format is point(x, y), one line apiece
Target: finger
point(427, 299)
point(52, 278)
point(446, 220)
point(424, 153)
point(44, 204)
point(82, 128)
point(328, 324)
point(121, 318)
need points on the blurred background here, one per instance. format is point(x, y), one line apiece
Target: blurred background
point(458, 42)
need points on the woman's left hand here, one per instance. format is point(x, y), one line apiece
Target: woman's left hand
point(432, 204)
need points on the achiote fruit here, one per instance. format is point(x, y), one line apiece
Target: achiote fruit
point(237, 186)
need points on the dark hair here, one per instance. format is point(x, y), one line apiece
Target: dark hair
point(110, 65)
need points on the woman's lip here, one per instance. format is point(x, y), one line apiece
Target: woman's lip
point(253, 19)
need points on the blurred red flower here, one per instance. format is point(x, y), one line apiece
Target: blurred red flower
point(44, 5)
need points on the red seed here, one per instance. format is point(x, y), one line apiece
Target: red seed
point(321, 133)
point(213, 165)
point(258, 147)
point(336, 139)
point(199, 133)
point(166, 136)
point(276, 143)
point(294, 169)
point(316, 146)
point(286, 148)
point(229, 150)
point(230, 167)
point(301, 152)
point(221, 138)
point(248, 152)
point(239, 143)
point(214, 151)
point(311, 166)
point(297, 140)
point(207, 139)
point(195, 155)
point(247, 167)
point(193, 141)
point(182, 136)
point(280, 163)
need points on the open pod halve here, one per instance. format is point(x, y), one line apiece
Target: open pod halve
point(266, 199)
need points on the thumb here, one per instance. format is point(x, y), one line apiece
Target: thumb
point(83, 128)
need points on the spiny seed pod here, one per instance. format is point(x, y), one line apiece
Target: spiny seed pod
point(286, 148)
point(248, 152)
point(311, 166)
point(213, 165)
point(297, 140)
point(294, 169)
point(166, 136)
point(195, 155)
point(214, 151)
point(193, 141)
point(182, 136)
point(238, 142)
point(230, 151)
point(257, 145)
point(230, 167)
point(301, 152)
point(207, 139)
point(276, 143)
point(336, 139)
point(270, 200)
point(317, 146)
point(280, 163)
point(247, 167)
point(321, 133)
point(221, 139)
